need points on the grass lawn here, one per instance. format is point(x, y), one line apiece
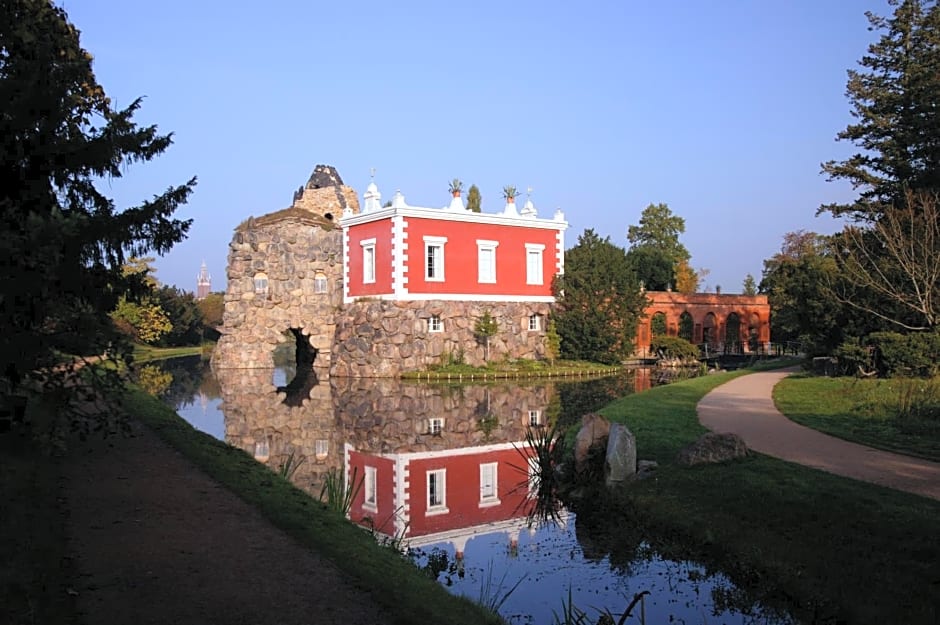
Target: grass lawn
point(842, 551)
point(863, 411)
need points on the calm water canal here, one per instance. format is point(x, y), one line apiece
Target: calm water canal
point(442, 470)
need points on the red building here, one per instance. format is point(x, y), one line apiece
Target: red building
point(403, 252)
point(735, 323)
point(434, 493)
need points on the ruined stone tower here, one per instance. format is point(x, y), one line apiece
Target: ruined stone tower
point(285, 278)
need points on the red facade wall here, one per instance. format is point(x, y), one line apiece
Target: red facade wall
point(463, 491)
point(384, 515)
point(461, 269)
point(381, 231)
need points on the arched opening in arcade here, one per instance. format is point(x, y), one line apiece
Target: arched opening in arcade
point(293, 366)
point(753, 332)
point(710, 331)
point(686, 326)
point(733, 334)
point(658, 324)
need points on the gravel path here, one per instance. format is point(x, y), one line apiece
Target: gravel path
point(744, 406)
point(154, 540)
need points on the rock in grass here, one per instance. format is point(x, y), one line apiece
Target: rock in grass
point(711, 448)
point(620, 462)
point(593, 434)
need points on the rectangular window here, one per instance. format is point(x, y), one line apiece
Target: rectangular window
point(322, 448)
point(437, 490)
point(434, 258)
point(534, 323)
point(319, 283)
point(535, 418)
point(435, 324)
point(368, 485)
point(435, 426)
point(368, 260)
point(486, 261)
point(533, 263)
point(488, 493)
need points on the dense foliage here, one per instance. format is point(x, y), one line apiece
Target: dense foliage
point(599, 301)
point(64, 242)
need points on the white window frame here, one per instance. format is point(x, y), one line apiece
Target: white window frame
point(434, 271)
point(486, 261)
point(261, 283)
point(320, 283)
point(437, 500)
point(436, 425)
point(370, 496)
point(535, 418)
point(533, 263)
point(489, 489)
point(435, 324)
point(535, 324)
point(368, 260)
point(321, 448)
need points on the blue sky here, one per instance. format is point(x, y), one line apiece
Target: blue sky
point(723, 110)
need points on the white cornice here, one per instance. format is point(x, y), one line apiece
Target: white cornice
point(443, 215)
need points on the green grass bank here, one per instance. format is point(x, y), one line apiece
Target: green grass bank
point(900, 414)
point(838, 550)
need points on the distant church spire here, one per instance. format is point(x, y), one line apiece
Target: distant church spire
point(203, 282)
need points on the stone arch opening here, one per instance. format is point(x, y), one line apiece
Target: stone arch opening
point(686, 326)
point(710, 330)
point(733, 334)
point(293, 366)
point(658, 324)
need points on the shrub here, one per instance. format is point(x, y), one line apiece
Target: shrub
point(914, 354)
point(673, 347)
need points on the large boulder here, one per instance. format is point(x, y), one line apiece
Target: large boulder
point(593, 435)
point(711, 448)
point(620, 463)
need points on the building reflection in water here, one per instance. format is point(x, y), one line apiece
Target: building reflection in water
point(436, 463)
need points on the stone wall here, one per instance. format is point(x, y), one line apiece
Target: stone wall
point(381, 416)
point(378, 338)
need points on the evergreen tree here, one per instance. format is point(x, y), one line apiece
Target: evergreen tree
point(474, 199)
point(64, 241)
point(894, 100)
point(660, 228)
point(599, 301)
point(749, 285)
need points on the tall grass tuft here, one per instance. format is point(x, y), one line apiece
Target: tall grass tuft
point(337, 495)
point(542, 454)
point(492, 592)
point(918, 403)
point(293, 462)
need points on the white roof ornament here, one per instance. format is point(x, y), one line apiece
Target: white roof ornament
point(559, 216)
point(373, 199)
point(457, 205)
point(528, 210)
point(398, 200)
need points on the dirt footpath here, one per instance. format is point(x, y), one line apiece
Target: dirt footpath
point(745, 406)
point(156, 541)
